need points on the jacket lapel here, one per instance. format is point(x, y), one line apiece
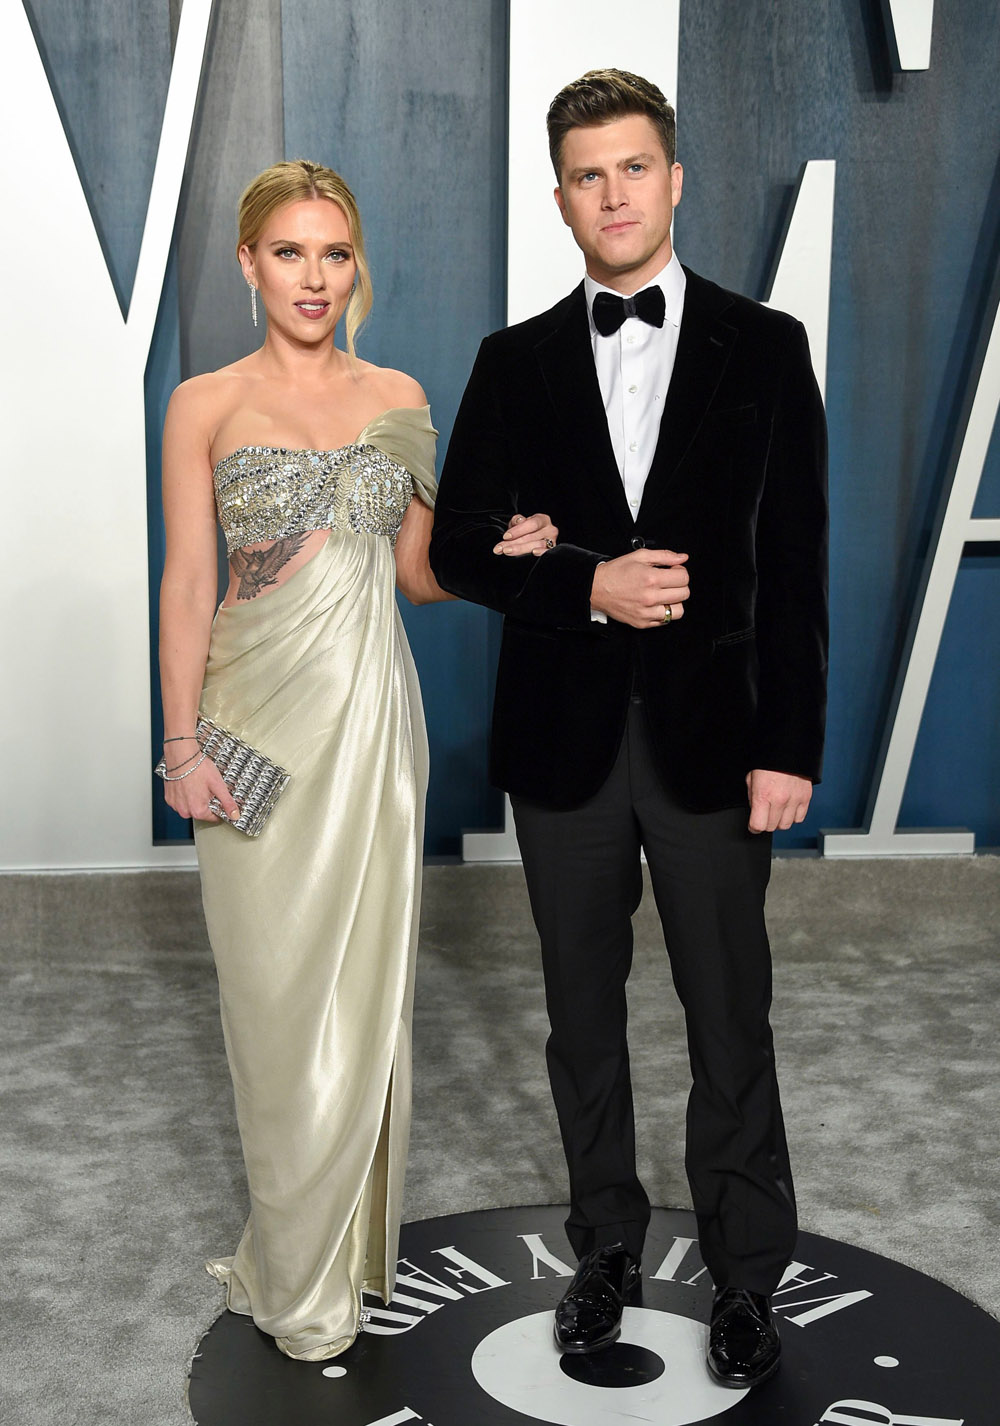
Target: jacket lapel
point(704, 346)
point(567, 364)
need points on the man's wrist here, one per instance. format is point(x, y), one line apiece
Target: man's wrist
point(596, 612)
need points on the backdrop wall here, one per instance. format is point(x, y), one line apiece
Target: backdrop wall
point(411, 102)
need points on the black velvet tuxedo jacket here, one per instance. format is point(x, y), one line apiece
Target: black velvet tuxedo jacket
point(738, 483)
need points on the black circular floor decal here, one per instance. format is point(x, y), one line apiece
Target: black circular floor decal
point(468, 1342)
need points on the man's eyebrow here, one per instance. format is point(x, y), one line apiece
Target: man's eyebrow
point(637, 158)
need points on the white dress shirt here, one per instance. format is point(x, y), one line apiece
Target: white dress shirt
point(634, 367)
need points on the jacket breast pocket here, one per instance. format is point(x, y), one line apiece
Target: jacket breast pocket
point(735, 415)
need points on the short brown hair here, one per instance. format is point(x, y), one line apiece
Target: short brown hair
point(290, 182)
point(601, 96)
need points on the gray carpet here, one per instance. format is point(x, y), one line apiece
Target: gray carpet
point(120, 1167)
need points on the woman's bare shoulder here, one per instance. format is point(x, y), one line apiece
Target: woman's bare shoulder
point(211, 388)
point(201, 403)
point(395, 388)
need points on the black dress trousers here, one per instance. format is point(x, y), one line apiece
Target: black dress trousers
point(709, 877)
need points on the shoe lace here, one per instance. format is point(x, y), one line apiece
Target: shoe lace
point(742, 1297)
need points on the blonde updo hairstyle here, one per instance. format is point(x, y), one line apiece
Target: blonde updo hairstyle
point(290, 182)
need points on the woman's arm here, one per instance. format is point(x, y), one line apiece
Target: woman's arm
point(533, 535)
point(413, 571)
point(188, 594)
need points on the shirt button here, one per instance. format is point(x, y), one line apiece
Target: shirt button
point(633, 445)
point(631, 341)
point(632, 390)
point(634, 504)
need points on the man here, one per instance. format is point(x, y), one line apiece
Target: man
point(661, 687)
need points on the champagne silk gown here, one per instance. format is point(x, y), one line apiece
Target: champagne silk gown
point(313, 924)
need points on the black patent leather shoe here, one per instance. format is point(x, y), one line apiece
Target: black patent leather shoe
point(589, 1316)
point(743, 1344)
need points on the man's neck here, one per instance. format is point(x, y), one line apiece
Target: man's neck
point(627, 284)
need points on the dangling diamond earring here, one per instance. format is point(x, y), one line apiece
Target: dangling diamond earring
point(253, 302)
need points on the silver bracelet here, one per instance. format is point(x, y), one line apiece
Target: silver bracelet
point(161, 770)
point(183, 763)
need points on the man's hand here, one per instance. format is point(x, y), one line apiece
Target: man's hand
point(527, 535)
point(637, 589)
point(777, 799)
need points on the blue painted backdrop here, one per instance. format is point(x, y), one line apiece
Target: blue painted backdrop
point(413, 111)
point(409, 102)
point(916, 245)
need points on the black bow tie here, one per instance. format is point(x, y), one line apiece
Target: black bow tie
point(610, 311)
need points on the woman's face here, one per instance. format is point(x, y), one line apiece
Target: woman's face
point(304, 268)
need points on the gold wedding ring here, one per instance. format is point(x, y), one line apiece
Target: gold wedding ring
point(667, 615)
point(550, 544)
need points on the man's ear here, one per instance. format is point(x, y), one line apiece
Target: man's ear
point(561, 204)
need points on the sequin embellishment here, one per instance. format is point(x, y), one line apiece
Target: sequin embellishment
point(267, 492)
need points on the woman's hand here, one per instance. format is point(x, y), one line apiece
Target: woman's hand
point(190, 796)
point(528, 535)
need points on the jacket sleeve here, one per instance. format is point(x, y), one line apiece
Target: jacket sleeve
point(478, 494)
point(791, 615)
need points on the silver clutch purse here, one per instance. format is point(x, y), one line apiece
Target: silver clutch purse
point(254, 780)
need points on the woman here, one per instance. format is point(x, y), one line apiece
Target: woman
point(310, 457)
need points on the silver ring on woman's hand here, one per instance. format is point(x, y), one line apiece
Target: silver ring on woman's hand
point(667, 614)
point(550, 544)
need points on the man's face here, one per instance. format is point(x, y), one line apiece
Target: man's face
point(617, 193)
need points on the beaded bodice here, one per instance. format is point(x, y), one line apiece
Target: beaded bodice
point(268, 492)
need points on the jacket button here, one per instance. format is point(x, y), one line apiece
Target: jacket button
point(638, 543)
